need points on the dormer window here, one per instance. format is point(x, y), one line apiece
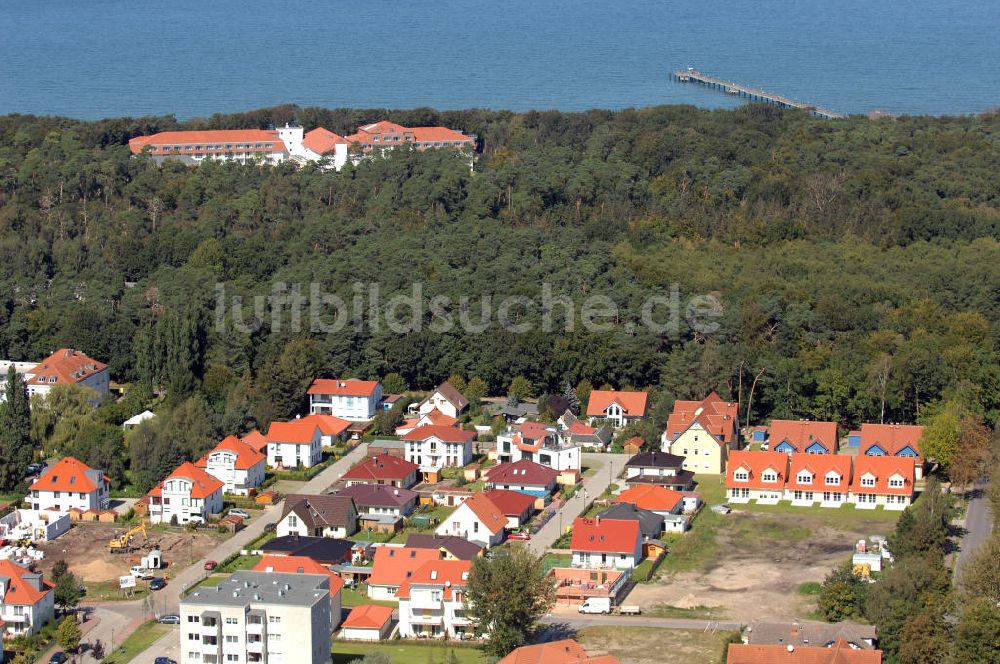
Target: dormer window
point(833, 480)
point(805, 478)
point(741, 475)
point(868, 481)
point(769, 476)
point(896, 482)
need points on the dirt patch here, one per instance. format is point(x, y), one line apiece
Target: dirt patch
point(648, 645)
point(85, 548)
point(759, 562)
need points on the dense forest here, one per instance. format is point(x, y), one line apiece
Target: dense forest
point(855, 260)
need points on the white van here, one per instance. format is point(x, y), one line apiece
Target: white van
point(595, 605)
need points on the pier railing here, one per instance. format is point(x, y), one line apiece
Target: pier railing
point(691, 75)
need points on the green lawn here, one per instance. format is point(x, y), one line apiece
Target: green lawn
point(551, 560)
point(142, 638)
point(403, 652)
point(239, 563)
point(108, 591)
point(355, 597)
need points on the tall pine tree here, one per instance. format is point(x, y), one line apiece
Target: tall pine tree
point(15, 431)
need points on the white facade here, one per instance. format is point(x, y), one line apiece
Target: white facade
point(293, 525)
point(293, 455)
point(356, 408)
point(69, 484)
point(176, 500)
point(560, 455)
point(238, 481)
point(433, 454)
point(464, 523)
point(592, 560)
point(293, 136)
point(22, 618)
point(63, 501)
point(434, 610)
point(256, 617)
point(365, 633)
point(439, 401)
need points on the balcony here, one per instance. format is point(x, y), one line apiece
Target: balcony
point(422, 601)
point(425, 619)
point(255, 627)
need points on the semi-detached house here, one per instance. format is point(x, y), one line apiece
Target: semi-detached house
point(758, 476)
point(236, 464)
point(803, 436)
point(894, 440)
point(819, 478)
point(393, 565)
point(27, 600)
point(432, 601)
point(435, 447)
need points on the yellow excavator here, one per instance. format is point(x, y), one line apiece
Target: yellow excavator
point(124, 544)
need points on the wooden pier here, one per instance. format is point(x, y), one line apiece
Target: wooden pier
point(691, 75)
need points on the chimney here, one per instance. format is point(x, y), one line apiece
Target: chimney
point(33, 580)
point(597, 520)
point(790, 648)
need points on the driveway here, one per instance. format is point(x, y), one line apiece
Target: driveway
point(611, 466)
point(978, 527)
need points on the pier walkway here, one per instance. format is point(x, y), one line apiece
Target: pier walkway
point(691, 75)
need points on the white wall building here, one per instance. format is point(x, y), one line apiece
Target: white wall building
point(477, 520)
point(540, 443)
point(445, 399)
point(294, 444)
point(432, 601)
point(70, 484)
point(27, 601)
point(63, 367)
point(349, 399)
point(435, 447)
point(314, 146)
point(238, 466)
point(187, 493)
point(268, 618)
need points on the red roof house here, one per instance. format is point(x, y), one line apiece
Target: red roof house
point(383, 469)
point(602, 543)
point(755, 475)
point(619, 408)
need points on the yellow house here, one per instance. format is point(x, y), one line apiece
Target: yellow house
point(702, 432)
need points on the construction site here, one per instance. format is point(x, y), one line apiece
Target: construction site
point(99, 553)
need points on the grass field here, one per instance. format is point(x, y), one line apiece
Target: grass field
point(353, 597)
point(408, 653)
point(142, 638)
point(649, 645)
point(108, 591)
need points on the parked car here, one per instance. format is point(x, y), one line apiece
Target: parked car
point(240, 513)
point(197, 520)
point(164, 660)
point(169, 619)
point(57, 658)
point(522, 535)
point(270, 528)
point(210, 565)
point(158, 583)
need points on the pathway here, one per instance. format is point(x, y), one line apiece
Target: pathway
point(978, 526)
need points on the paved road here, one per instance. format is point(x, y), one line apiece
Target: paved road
point(593, 486)
point(122, 618)
point(573, 622)
point(978, 526)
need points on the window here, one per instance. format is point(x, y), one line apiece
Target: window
point(194, 619)
point(896, 482)
point(741, 475)
point(868, 481)
point(769, 476)
point(230, 638)
point(805, 478)
point(293, 521)
point(232, 658)
point(194, 636)
point(274, 637)
point(797, 495)
point(833, 480)
point(274, 619)
point(194, 654)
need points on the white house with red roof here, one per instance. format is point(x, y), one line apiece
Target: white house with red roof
point(332, 430)
point(27, 600)
point(435, 447)
point(478, 520)
point(393, 565)
point(616, 407)
point(703, 433)
point(367, 622)
point(63, 367)
point(525, 476)
point(314, 146)
point(236, 464)
point(542, 443)
point(900, 440)
point(383, 135)
point(432, 601)
point(433, 418)
point(294, 444)
point(383, 469)
point(70, 484)
point(516, 506)
point(758, 476)
point(348, 399)
point(188, 493)
point(606, 543)
point(818, 478)
point(883, 480)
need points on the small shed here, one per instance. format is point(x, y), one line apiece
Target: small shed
point(367, 622)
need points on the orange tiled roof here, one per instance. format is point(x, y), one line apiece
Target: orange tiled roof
point(19, 591)
point(350, 387)
point(246, 456)
point(840, 653)
point(299, 565)
point(488, 513)
point(368, 616)
point(444, 434)
point(394, 564)
point(205, 139)
point(820, 465)
point(511, 503)
point(321, 140)
point(437, 418)
point(328, 424)
point(716, 416)
point(69, 474)
point(390, 133)
point(884, 467)
point(651, 497)
point(800, 434)
point(448, 574)
point(204, 485)
point(297, 432)
point(755, 463)
point(579, 427)
point(633, 403)
point(256, 440)
point(604, 535)
point(891, 437)
point(566, 651)
point(65, 366)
